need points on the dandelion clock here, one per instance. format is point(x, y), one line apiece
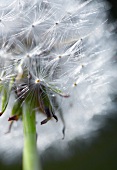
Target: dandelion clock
point(57, 68)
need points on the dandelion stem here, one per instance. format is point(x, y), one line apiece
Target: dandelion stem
point(30, 156)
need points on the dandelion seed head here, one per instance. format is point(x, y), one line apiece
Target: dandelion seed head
point(62, 51)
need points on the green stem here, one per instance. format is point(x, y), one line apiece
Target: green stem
point(30, 156)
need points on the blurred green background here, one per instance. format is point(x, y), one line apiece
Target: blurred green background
point(97, 154)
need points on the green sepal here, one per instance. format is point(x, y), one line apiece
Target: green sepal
point(16, 111)
point(6, 90)
point(15, 114)
point(5, 100)
point(1, 87)
point(48, 109)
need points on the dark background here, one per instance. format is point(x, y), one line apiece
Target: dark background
point(99, 154)
point(114, 8)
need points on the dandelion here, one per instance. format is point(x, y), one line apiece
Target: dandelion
point(53, 56)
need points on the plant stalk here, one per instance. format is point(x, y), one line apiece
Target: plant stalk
point(30, 155)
